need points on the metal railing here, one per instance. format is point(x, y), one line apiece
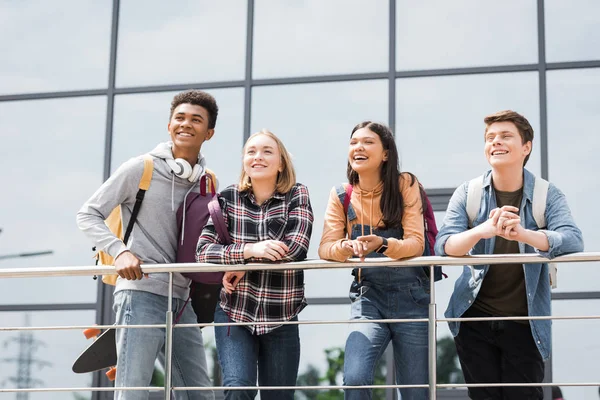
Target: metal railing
point(432, 319)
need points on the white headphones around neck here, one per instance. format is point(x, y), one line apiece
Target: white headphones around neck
point(184, 170)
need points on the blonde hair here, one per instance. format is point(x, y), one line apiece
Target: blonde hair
point(286, 179)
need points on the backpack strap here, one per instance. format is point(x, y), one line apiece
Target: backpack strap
point(344, 192)
point(139, 197)
point(347, 197)
point(474, 198)
point(214, 209)
point(540, 194)
point(208, 181)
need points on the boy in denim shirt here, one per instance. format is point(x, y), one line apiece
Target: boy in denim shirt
point(505, 351)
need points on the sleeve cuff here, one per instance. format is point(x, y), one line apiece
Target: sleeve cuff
point(440, 246)
point(116, 249)
point(554, 243)
point(236, 252)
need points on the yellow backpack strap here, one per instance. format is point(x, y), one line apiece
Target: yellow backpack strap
point(211, 183)
point(147, 175)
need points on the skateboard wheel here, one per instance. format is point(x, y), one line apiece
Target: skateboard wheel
point(111, 374)
point(91, 332)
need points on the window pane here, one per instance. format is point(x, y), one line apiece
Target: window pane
point(465, 33)
point(439, 122)
point(314, 37)
point(141, 123)
point(575, 349)
point(43, 359)
point(193, 41)
point(573, 105)
point(54, 47)
point(572, 30)
point(55, 150)
point(315, 121)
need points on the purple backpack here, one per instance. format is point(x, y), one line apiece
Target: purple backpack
point(198, 207)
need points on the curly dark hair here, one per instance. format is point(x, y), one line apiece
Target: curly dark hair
point(197, 98)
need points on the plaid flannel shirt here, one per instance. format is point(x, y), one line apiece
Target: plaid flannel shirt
point(261, 296)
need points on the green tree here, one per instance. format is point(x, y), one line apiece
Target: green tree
point(333, 376)
point(448, 368)
point(311, 377)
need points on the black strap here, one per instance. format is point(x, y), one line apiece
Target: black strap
point(136, 209)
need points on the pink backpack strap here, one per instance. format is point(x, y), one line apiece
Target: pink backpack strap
point(218, 221)
point(347, 198)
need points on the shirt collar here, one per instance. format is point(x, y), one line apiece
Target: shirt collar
point(250, 196)
point(528, 183)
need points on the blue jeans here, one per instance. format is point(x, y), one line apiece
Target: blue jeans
point(388, 293)
point(137, 349)
point(274, 355)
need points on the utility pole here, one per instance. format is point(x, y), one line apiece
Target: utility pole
point(25, 360)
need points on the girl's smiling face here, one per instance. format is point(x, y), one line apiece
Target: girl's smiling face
point(262, 159)
point(366, 152)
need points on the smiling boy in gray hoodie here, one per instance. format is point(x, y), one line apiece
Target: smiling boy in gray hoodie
point(140, 300)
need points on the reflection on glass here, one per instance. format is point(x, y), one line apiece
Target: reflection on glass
point(572, 30)
point(315, 121)
point(195, 41)
point(439, 122)
point(43, 359)
point(575, 349)
point(54, 150)
point(573, 105)
point(320, 37)
point(48, 48)
point(465, 33)
point(141, 123)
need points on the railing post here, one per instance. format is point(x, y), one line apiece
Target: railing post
point(432, 337)
point(169, 340)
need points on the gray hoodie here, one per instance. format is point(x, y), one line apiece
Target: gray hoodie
point(155, 234)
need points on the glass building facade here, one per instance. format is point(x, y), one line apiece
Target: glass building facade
point(86, 84)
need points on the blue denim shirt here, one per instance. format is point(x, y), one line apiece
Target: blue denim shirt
point(563, 237)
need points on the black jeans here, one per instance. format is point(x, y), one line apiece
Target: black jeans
point(496, 352)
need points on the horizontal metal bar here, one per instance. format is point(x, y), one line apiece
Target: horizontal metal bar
point(53, 95)
point(528, 318)
point(30, 272)
point(573, 65)
point(575, 295)
point(543, 384)
point(85, 389)
point(326, 301)
point(320, 387)
point(307, 322)
point(47, 307)
point(319, 79)
point(300, 80)
point(467, 71)
point(179, 87)
point(314, 301)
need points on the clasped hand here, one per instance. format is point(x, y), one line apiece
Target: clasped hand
point(363, 245)
point(503, 222)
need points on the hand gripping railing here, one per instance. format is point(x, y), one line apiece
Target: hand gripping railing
point(306, 265)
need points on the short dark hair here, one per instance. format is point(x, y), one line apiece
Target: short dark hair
point(523, 126)
point(197, 98)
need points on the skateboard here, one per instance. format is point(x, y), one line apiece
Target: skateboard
point(100, 354)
